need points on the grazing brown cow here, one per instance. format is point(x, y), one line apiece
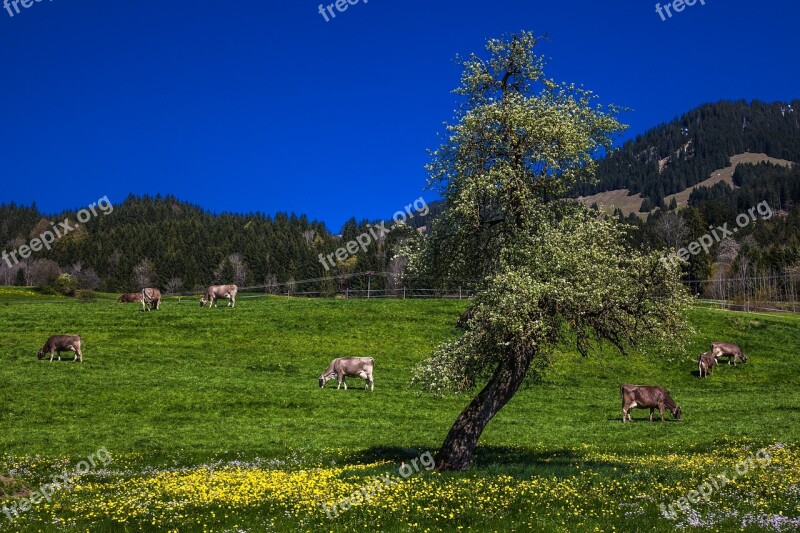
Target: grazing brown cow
point(62, 343)
point(730, 350)
point(647, 397)
point(705, 364)
point(220, 291)
point(130, 298)
point(357, 367)
point(151, 299)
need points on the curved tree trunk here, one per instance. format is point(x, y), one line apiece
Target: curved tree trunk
point(456, 452)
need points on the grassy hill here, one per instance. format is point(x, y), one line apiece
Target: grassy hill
point(214, 421)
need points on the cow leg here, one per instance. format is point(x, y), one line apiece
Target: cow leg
point(628, 411)
point(651, 414)
point(624, 415)
point(52, 353)
point(366, 377)
point(661, 411)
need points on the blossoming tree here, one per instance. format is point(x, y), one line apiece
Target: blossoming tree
point(553, 271)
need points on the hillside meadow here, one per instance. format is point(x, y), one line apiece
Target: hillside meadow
point(212, 420)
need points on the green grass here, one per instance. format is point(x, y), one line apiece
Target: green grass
point(185, 386)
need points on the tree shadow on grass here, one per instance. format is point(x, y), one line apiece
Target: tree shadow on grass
point(497, 459)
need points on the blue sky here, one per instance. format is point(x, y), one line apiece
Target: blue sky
point(263, 106)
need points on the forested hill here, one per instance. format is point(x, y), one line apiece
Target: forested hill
point(675, 156)
point(164, 242)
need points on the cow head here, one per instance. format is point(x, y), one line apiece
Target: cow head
point(323, 379)
point(40, 355)
point(677, 412)
point(202, 302)
point(744, 357)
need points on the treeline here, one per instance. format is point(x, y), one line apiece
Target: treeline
point(179, 247)
point(675, 156)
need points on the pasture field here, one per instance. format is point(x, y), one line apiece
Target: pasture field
point(213, 421)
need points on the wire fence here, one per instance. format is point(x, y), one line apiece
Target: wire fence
point(364, 285)
point(750, 293)
point(767, 294)
point(770, 294)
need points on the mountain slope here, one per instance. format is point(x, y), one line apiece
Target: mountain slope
point(676, 156)
point(628, 203)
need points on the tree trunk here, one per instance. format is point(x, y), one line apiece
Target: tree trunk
point(456, 452)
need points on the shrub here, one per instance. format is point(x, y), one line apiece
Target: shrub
point(64, 284)
point(86, 296)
